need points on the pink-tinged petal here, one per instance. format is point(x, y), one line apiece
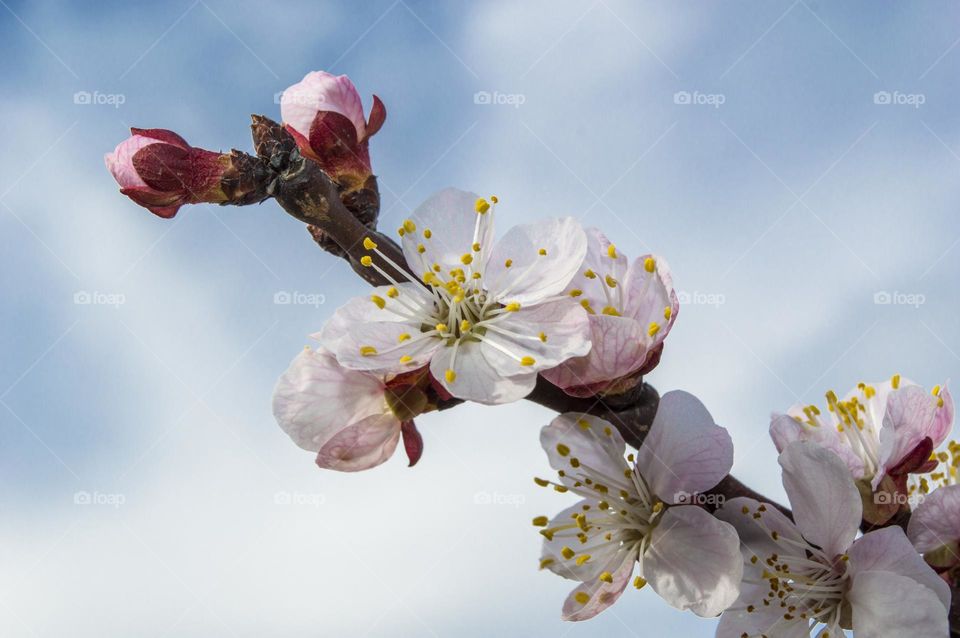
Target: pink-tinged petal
point(826, 504)
point(600, 261)
point(361, 446)
point(619, 348)
point(685, 452)
point(316, 398)
point(889, 550)
point(913, 414)
point(651, 298)
point(320, 91)
point(935, 522)
point(755, 540)
point(476, 379)
point(544, 257)
point(787, 428)
point(451, 216)
point(592, 441)
point(694, 561)
point(601, 593)
point(551, 555)
point(120, 162)
point(412, 442)
point(887, 604)
point(547, 333)
point(162, 135)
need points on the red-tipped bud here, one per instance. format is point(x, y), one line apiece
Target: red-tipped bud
point(324, 114)
point(157, 169)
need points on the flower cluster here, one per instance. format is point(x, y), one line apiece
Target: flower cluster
point(872, 544)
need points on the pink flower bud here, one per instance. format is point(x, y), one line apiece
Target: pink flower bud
point(324, 114)
point(157, 169)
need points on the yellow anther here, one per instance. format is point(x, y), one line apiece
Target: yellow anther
point(409, 226)
point(639, 582)
point(527, 361)
point(427, 233)
point(466, 260)
point(582, 558)
point(541, 482)
point(404, 337)
point(379, 301)
point(508, 263)
point(612, 251)
point(589, 274)
point(606, 577)
point(542, 252)
point(392, 292)
point(476, 275)
point(546, 562)
point(406, 359)
point(567, 553)
point(936, 391)
point(582, 522)
point(667, 313)
point(584, 424)
point(481, 206)
point(541, 521)
point(586, 306)
point(465, 325)
point(401, 231)
point(441, 328)
point(366, 261)
point(437, 268)
point(576, 292)
point(610, 311)
point(562, 449)
point(451, 376)
point(512, 307)
point(421, 248)
point(367, 351)
point(494, 199)
point(649, 264)
point(895, 381)
point(543, 337)
point(369, 244)
point(610, 281)
point(653, 329)
point(582, 597)
point(476, 247)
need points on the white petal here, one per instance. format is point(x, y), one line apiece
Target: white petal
point(316, 398)
point(685, 452)
point(602, 594)
point(649, 295)
point(787, 428)
point(533, 277)
point(694, 561)
point(762, 621)
point(361, 446)
point(450, 216)
point(476, 379)
point(912, 415)
point(936, 520)
point(889, 550)
point(592, 441)
point(548, 333)
point(886, 604)
point(826, 504)
point(619, 348)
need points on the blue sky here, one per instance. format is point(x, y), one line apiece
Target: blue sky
point(787, 196)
